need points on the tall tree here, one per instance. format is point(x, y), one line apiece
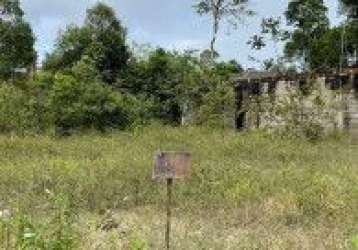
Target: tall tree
point(309, 20)
point(222, 10)
point(16, 39)
point(108, 47)
point(102, 38)
point(311, 38)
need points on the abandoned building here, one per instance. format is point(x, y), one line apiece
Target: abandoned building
point(263, 88)
point(258, 93)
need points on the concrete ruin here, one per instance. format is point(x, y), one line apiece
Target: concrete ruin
point(339, 91)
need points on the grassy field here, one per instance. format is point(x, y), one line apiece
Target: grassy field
point(247, 191)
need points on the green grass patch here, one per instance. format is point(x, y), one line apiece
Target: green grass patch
point(254, 177)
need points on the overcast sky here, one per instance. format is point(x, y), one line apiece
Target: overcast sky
point(166, 23)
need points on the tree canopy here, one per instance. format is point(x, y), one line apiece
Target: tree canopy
point(310, 22)
point(16, 40)
point(102, 38)
point(11, 9)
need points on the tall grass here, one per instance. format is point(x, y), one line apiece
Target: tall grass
point(273, 180)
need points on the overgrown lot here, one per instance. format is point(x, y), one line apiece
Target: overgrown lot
point(248, 191)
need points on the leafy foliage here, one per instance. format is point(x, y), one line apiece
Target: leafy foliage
point(176, 82)
point(16, 40)
point(326, 51)
point(163, 78)
point(70, 47)
point(12, 8)
point(218, 106)
point(311, 40)
point(81, 101)
point(310, 22)
point(102, 38)
point(22, 110)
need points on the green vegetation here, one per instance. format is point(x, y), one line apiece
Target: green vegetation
point(310, 21)
point(247, 190)
point(167, 87)
point(309, 40)
point(16, 40)
point(93, 189)
point(93, 81)
point(102, 39)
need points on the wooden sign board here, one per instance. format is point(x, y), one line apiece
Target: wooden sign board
point(172, 165)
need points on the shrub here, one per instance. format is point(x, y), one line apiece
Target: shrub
point(218, 106)
point(79, 104)
point(21, 111)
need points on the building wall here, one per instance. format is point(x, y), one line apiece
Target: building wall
point(341, 105)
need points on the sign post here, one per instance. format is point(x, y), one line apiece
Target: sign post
point(169, 166)
point(169, 212)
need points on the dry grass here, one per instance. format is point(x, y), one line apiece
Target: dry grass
point(220, 229)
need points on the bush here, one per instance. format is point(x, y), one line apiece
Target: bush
point(67, 102)
point(87, 104)
point(21, 111)
point(218, 106)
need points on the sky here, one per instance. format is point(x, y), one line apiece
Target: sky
point(171, 24)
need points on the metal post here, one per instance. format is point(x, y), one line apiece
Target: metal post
point(7, 237)
point(2, 238)
point(169, 200)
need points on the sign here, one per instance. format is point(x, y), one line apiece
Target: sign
point(169, 166)
point(172, 165)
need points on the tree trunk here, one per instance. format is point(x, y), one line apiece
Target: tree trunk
point(216, 18)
